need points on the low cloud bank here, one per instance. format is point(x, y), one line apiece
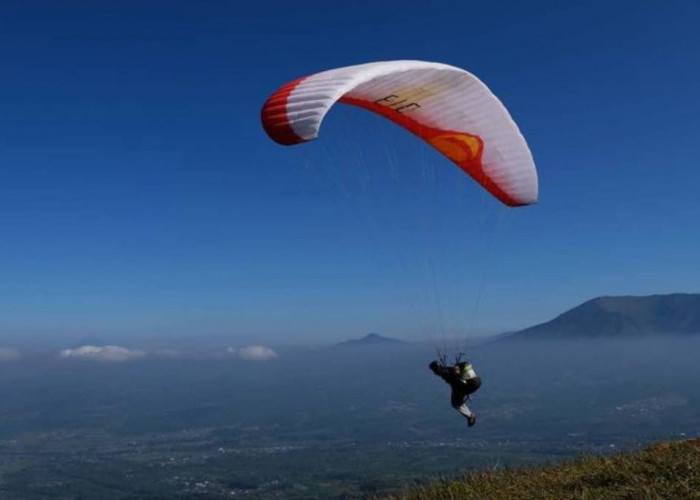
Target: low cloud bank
point(111, 353)
point(168, 353)
point(253, 353)
point(7, 354)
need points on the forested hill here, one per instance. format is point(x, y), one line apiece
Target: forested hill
point(623, 316)
point(371, 339)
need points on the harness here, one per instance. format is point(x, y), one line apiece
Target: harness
point(466, 371)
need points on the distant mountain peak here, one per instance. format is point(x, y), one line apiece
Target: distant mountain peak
point(621, 316)
point(372, 339)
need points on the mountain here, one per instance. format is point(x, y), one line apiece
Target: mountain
point(372, 339)
point(624, 316)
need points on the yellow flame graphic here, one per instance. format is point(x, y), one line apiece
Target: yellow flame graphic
point(457, 147)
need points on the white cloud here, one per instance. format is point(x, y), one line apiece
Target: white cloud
point(113, 353)
point(253, 353)
point(167, 353)
point(7, 354)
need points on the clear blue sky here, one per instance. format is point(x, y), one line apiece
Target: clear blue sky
point(139, 194)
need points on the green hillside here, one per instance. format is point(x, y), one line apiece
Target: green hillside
point(662, 472)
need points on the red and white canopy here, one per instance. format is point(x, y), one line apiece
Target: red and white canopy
point(446, 106)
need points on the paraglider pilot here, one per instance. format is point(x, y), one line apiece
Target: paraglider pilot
point(463, 380)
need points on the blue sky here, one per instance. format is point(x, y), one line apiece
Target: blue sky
point(140, 196)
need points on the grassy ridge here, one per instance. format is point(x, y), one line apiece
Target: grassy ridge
point(665, 471)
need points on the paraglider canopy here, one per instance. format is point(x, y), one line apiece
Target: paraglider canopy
point(445, 106)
